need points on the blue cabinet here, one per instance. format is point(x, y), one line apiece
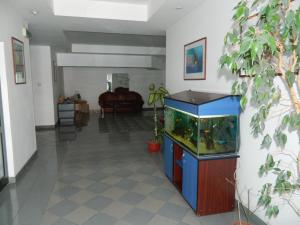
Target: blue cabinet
point(200, 151)
point(168, 157)
point(189, 179)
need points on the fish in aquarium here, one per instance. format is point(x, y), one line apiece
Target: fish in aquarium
point(202, 135)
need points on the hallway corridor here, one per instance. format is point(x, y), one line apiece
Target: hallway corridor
point(98, 174)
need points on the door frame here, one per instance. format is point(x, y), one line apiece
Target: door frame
point(3, 181)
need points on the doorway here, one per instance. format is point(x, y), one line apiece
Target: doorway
point(115, 80)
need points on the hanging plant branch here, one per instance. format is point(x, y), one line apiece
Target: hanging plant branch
point(263, 44)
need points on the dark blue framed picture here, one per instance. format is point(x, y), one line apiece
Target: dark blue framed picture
point(195, 60)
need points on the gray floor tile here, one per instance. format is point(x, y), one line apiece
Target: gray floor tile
point(126, 184)
point(138, 217)
point(162, 194)
point(97, 176)
point(101, 219)
point(161, 220)
point(155, 181)
point(67, 191)
point(64, 222)
point(63, 208)
point(225, 218)
point(147, 170)
point(98, 203)
point(69, 178)
point(123, 173)
point(132, 198)
point(173, 211)
point(98, 187)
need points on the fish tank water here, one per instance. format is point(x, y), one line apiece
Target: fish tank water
point(204, 127)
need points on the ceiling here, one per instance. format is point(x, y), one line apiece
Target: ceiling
point(127, 1)
point(51, 30)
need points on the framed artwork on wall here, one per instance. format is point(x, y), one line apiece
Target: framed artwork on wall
point(195, 60)
point(19, 61)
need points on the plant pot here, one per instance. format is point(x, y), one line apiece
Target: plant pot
point(153, 146)
point(240, 223)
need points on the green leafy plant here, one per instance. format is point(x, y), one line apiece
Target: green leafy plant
point(155, 96)
point(264, 46)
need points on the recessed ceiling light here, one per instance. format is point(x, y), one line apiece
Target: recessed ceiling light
point(34, 12)
point(179, 7)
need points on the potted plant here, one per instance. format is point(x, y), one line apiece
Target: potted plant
point(156, 96)
point(263, 49)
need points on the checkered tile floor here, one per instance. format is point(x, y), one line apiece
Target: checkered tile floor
point(107, 177)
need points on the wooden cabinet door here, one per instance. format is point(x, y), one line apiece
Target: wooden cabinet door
point(168, 157)
point(216, 192)
point(190, 179)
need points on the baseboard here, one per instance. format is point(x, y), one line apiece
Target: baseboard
point(3, 183)
point(50, 127)
point(24, 169)
point(12, 180)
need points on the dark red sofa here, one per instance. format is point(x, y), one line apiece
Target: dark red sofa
point(121, 100)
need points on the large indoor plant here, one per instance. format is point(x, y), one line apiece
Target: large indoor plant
point(156, 96)
point(264, 47)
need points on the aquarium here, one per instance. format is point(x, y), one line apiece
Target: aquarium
point(204, 123)
point(203, 135)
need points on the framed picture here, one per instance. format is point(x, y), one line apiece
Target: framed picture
point(19, 61)
point(195, 60)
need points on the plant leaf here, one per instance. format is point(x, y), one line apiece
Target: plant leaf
point(267, 141)
point(245, 45)
point(285, 121)
point(243, 102)
point(297, 20)
point(151, 87)
point(163, 91)
point(255, 3)
point(280, 138)
point(271, 42)
point(151, 99)
point(156, 97)
point(290, 78)
point(272, 211)
point(241, 11)
point(270, 163)
point(289, 18)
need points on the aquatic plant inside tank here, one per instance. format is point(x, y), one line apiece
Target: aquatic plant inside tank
point(182, 127)
point(202, 135)
point(218, 134)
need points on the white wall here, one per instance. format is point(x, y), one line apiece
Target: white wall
point(110, 60)
point(42, 85)
point(118, 49)
point(212, 20)
point(91, 82)
point(58, 82)
point(17, 99)
point(98, 60)
point(47, 86)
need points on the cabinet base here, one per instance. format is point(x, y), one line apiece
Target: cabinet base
point(216, 186)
